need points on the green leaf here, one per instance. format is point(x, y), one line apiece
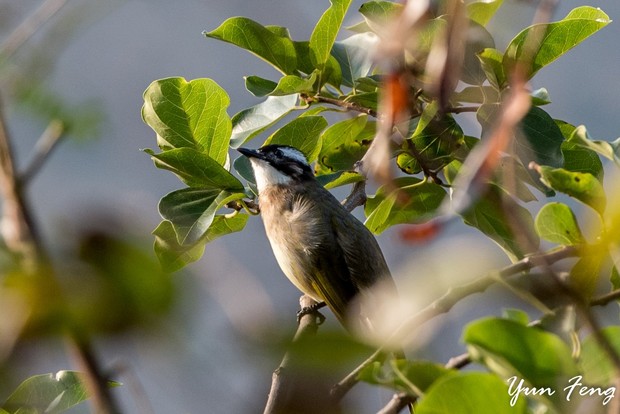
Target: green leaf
point(191, 211)
point(189, 115)
point(540, 97)
point(174, 256)
point(597, 368)
point(368, 100)
point(478, 40)
point(344, 143)
point(578, 155)
point(378, 13)
point(470, 392)
point(610, 150)
point(324, 34)
point(499, 217)
point(302, 133)
point(556, 223)
point(266, 43)
point(477, 94)
point(353, 55)
point(482, 11)
point(437, 143)
point(49, 393)
point(339, 179)
point(516, 315)
point(491, 63)
point(405, 200)
point(582, 186)
point(252, 121)
point(541, 44)
point(541, 139)
point(287, 85)
point(510, 348)
point(196, 169)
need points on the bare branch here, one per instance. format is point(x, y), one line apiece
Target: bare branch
point(29, 27)
point(42, 150)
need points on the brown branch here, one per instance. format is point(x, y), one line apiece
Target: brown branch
point(286, 385)
point(351, 106)
point(48, 141)
point(399, 402)
point(606, 298)
point(29, 27)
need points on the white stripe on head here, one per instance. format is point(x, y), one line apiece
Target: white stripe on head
point(294, 154)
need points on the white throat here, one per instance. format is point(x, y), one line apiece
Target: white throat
point(266, 175)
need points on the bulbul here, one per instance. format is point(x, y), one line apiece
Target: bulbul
point(325, 251)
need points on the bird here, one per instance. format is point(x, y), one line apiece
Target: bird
point(325, 251)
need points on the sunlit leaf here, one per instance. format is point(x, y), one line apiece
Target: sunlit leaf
point(267, 44)
point(491, 63)
point(48, 393)
point(378, 13)
point(189, 115)
point(470, 392)
point(610, 150)
point(510, 348)
point(324, 34)
point(344, 143)
point(339, 178)
point(174, 256)
point(420, 373)
point(405, 200)
point(196, 169)
point(302, 133)
point(191, 211)
point(582, 186)
point(482, 11)
point(557, 223)
point(541, 44)
point(252, 121)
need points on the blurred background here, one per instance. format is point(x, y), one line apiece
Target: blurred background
point(209, 354)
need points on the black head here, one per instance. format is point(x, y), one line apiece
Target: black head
point(288, 160)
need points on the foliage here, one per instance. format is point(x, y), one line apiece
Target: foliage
point(543, 157)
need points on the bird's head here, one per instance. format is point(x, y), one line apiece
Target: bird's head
point(278, 165)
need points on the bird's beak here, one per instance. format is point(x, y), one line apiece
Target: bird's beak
point(250, 153)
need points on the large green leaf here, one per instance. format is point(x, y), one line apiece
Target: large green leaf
point(470, 392)
point(405, 200)
point(344, 143)
point(556, 223)
point(252, 121)
point(174, 256)
point(611, 150)
point(196, 169)
point(541, 139)
point(354, 56)
point(324, 34)
point(266, 43)
point(541, 44)
point(491, 63)
point(191, 211)
point(189, 115)
point(48, 393)
point(379, 13)
point(482, 11)
point(582, 186)
point(302, 133)
point(510, 348)
point(501, 219)
point(437, 143)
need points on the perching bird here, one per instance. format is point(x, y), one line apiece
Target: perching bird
point(325, 251)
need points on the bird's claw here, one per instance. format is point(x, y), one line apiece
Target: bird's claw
point(312, 310)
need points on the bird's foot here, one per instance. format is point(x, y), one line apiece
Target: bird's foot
point(312, 310)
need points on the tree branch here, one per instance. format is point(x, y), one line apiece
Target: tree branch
point(286, 386)
point(351, 106)
point(21, 237)
point(48, 141)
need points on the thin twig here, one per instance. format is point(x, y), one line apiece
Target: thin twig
point(42, 150)
point(399, 402)
point(351, 106)
point(29, 27)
